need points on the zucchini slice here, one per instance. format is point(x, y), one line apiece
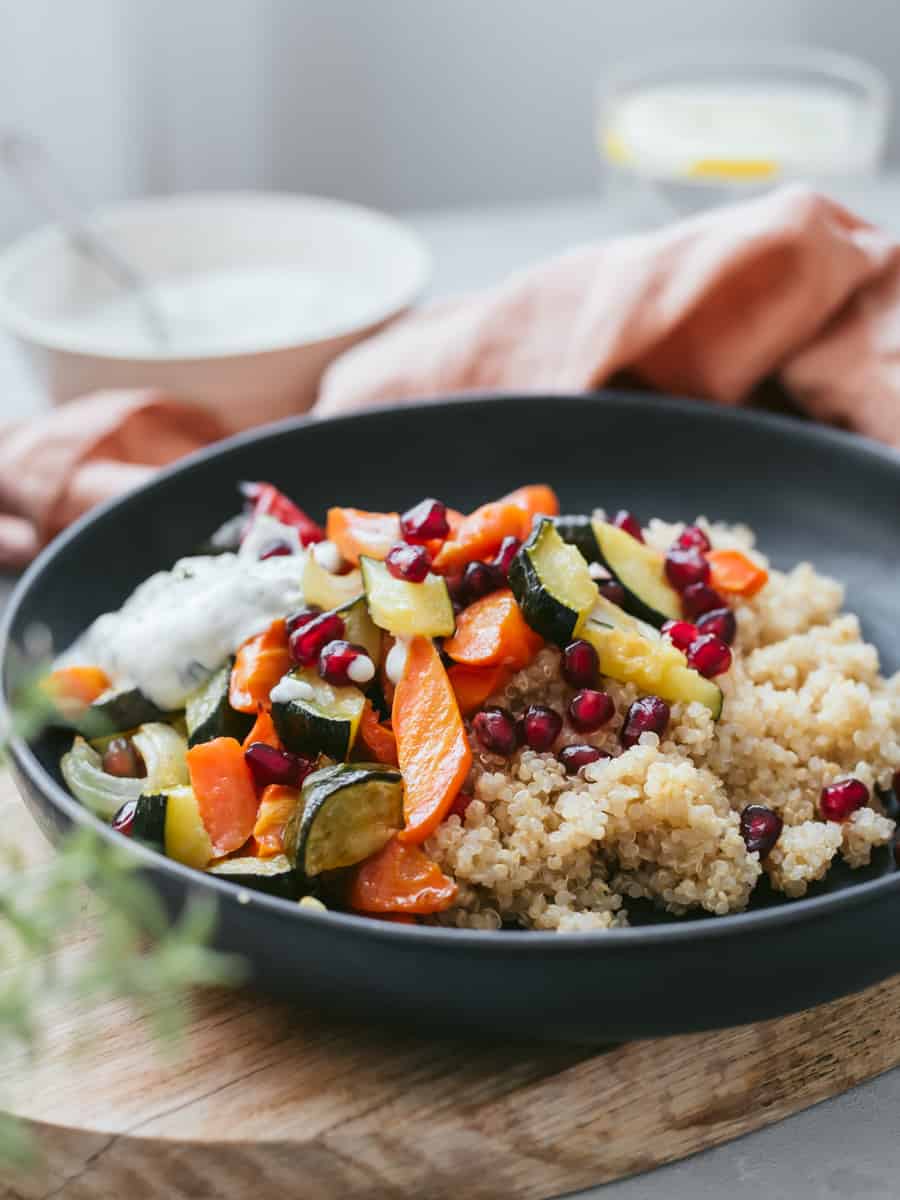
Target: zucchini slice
point(314, 717)
point(552, 584)
point(274, 876)
point(359, 627)
point(578, 531)
point(406, 609)
point(346, 813)
point(640, 570)
point(170, 822)
point(117, 711)
point(209, 715)
point(633, 652)
point(329, 591)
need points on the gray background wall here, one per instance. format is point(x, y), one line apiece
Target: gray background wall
point(399, 103)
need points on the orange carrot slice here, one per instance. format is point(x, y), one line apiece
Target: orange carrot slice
point(733, 571)
point(432, 747)
point(357, 532)
point(263, 731)
point(400, 879)
point(72, 689)
point(260, 663)
point(377, 741)
point(225, 792)
point(479, 535)
point(276, 808)
point(493, 633)
point(473, 685)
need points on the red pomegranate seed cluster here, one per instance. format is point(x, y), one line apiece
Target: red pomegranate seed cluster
point(342, 663)
point(700, 598)
point(502, 560)
point(709, 655)
point(307, 640)
point(721, 622)
point(411, 563)
point(629, 522)
point(269, 765)
point(480, 579)
point(589, 710)
point(693, 538)
point(580, 664)
point(650, 714)
point(425, 521)
point(123, 821)
point(541, 726)
point(680, 633)
point(840, 800)
point(573, 758)
point(612, 590)
point(302, 617)
point(686, 567)
point(760, 828)
point(496, 729)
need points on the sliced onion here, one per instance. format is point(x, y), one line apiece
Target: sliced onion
point(163, 750)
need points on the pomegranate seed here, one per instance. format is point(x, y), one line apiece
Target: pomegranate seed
point(840, 800)
point(269, 765)
point(580, 664)
point(509, 548)
point(308, 640)
point(424, 521)
point(460, 805)
point(589, 710)
point(760, 828)
point(495, 728)
point(302, 617)
point(647, 715)
point(629, 522)
point(680, 633)
point(541, 726)
point(721, 622)
point(480, 579)
point(709, 655)
point(275, 549)
point(123, 821)
point(411, 563)
point(123, 759)
point(612, 591)
point(685, 567)
point(342, 663)
point(693, 537)
point(573, 758)
point(700, 598)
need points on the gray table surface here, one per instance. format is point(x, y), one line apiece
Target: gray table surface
point(845, 1147)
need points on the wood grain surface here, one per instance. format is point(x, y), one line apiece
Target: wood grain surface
point(268, 1101)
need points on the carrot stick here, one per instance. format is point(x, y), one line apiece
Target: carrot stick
point(473, 685)
point(263, 731)
point(72, 689)
point(260, 663)
point(479, 535)
point(493, 633)
point(432, 746)
point(400, 879)
point(357, 532)
point(377, 741)
point(275, 810)
point(225, 792)
point(733, 571)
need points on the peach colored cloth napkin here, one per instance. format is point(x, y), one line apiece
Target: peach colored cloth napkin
point(790, 285)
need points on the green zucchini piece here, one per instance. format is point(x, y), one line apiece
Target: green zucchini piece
point(209, 715)
point(346, 813)
point(314, 717)
point(359, 627)
point(407, 609)
point(150, 820)
point(326, 590)
point(641, 572)
point(578, 531)
point(117, 711)
point(273, 876)
point(632, 652)
point(552, 584)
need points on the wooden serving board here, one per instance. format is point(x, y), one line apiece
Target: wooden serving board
point(265, 1101)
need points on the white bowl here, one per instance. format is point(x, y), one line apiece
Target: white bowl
point(350, 269)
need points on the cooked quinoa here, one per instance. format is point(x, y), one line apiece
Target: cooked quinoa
point(804, 706)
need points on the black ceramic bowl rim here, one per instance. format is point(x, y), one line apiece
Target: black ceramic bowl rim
point(482, 941)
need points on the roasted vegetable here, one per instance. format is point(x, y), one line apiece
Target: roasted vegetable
point(327, 591)
point(356, 532)
point(407, 609)
point(578, 531)
point(359, 627)
point(261, 661)
point(163, 751)
point(552, 584)
point(734, 571)
point(314, 717)
point(479, 535)
point(225, 792)
point(209, 715)
point(274, 876)
point(492, 632)
point(118, 710)
point(640, 570)
point(400, 879)
point(346, 813)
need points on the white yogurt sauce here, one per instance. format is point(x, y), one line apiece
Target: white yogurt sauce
point(264, 532)
point(685, 128)
point(234, 310)
point(178, 627)
point(395, 663)
point(287, 689)
point(328, 556)
point(361, 669)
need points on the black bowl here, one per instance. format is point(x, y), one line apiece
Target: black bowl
point(809, 492)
